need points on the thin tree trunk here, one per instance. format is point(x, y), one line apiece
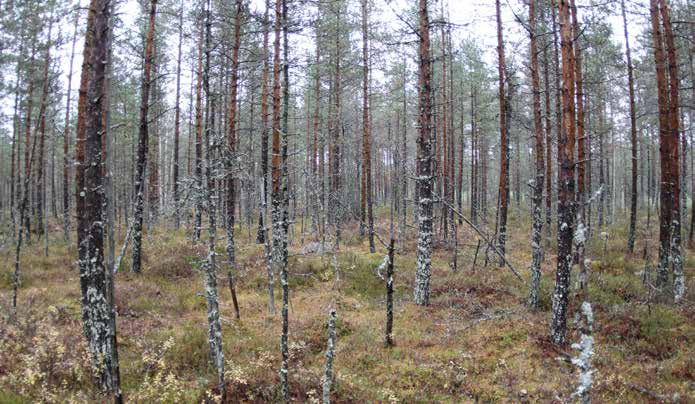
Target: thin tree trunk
point(548, 144)
point(143, 140)
point(210, 266)
point(231, 143)
point(261, 235)
point(177, 124)
point(633, 136)
point(536, 238)
point(366, 199)
point(40, 177)
point(581, 230)
point(504, 141)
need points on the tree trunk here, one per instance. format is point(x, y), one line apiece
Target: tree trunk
point(633, 136)
point(548, 144)
point(536, 238)
point(40, 164)
point(231, 158)
point(143, 140)
point(97, 309)
point(504, 141)
point(261, 235)
point(177, 124)
point(581, 230)
point(669, 149)
point(210, 197)
point(558, 327)
point(424, 175)
point(366, 199)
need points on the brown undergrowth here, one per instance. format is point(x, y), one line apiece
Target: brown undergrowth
point(477, 341)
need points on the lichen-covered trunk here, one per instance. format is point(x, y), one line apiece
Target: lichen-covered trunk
point(211, 197)
point(278, 199)
point(674, 238)
point(548, 143)
point(198, 169)
point(330, 354)
point(424, 175)
point(565, 152)
point(665, 150)
point(581, 230)
point(388, 339)
point(536, 238)
point(97, 311)
point(143, 141)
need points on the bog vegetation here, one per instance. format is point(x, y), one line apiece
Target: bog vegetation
point(347, 201)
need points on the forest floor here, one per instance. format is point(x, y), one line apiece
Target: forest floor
point(477, 341)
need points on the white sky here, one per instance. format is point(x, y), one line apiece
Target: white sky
point(471, 18)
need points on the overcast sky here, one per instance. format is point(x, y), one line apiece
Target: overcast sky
point(470, 19)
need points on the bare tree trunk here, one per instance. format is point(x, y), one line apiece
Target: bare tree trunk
point(633, 136)
point(474, 159)
point(40, 177)
point(581, 229)
point(366, 195)
point(231, 158)
point(210, 266)
point(143, 140)
point(27, 128)
point(536, 238)
point(389, 297)
point(548, 143)
point(424, 175)
point(177, 124)
point(262, 235)
point(198, 142)
point(504, 141)
point(14, 164)
point(558, 327)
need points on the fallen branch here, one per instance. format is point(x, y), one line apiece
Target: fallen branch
point(490, 244)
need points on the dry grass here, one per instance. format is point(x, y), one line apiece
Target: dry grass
point(476, 342)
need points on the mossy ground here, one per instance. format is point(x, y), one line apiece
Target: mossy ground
point(477, 341)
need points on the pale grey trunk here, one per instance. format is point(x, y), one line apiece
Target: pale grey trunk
point(586, 352)
point(580, 234)
point(389, 296)
point(536, 243)
point(330, 352)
